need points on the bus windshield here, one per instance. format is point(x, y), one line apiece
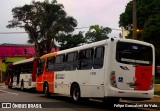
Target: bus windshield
point(132, 53)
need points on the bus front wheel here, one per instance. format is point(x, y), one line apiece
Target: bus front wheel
point(76, 93)
point(46, 90)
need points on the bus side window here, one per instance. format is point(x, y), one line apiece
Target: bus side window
point(59, 63)
point(98, 58)
point(30, 66)
point(85, 59)
point(71, 61)
point(50, 63)
point(25, 67)
point(40, 66)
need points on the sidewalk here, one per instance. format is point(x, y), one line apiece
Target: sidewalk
point(156, 89)
point(2, 83)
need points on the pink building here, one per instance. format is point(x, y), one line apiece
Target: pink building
point(14, 52)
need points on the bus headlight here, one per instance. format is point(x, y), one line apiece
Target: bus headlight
point(152, 83)
point(113, 79)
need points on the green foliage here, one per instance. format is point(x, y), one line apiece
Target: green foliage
point(43, 21)
point(97, 33)
point(145, 9)
point(151, 34)
point(71, 40)
point(157, 81)
point(152, 29)
point(148, 20)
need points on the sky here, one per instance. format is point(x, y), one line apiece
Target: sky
point(87, 12)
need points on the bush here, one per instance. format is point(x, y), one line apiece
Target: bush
point(157, 81)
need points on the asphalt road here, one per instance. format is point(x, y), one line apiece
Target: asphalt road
point(28, 99)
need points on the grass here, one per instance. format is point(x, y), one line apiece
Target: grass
point(157, 81)
point(157, 89)
point(157, 93)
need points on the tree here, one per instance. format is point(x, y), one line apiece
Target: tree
point(151, 34)
point(148, 21)
point(145, 10)
point(97, 33)
point(44, 22)
point(71, 40)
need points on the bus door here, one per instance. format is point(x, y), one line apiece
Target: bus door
point(34, 69)
point(49, 73)
point(18, 76)
point(39, 79)
point(17, 72)
point(135, 66)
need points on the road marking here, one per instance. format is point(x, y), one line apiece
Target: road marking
point(9, 92)
point(3, 87)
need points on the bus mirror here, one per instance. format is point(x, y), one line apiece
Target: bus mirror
point(112, 39)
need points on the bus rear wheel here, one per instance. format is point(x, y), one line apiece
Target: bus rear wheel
point(46, 90)
point(9, 86)
point(76, 93)
point(22, 85)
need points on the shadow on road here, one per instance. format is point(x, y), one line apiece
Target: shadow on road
point(66, 102)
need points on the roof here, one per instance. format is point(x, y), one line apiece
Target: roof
point(18, 50)
point(8, 44)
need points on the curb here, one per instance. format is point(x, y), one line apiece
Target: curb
point(156, 96)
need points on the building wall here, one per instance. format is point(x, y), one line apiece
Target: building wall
point(11, 50)
point(10, 53)
point(1, 70)
point(3, 65)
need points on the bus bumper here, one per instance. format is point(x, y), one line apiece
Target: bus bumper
point(114, 92)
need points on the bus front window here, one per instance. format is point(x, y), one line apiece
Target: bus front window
point(40, 66)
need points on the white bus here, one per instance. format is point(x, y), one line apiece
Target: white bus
point(23, 74)
point(108, 70)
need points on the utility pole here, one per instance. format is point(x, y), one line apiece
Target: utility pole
point(134, 20)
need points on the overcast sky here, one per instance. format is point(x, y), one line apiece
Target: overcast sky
point(86, 12)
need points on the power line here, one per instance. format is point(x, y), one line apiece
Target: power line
point(82, 28)
point(12, 32)
point(89, 27)
point(26, 32)
point(116, 29)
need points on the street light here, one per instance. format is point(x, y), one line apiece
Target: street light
point(138, 30)
point(134, 20)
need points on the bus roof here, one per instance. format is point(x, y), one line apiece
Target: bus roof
point(91, 45)
point(95, 44)
point(23, 61)
point(49, 55)
point(135, 41)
